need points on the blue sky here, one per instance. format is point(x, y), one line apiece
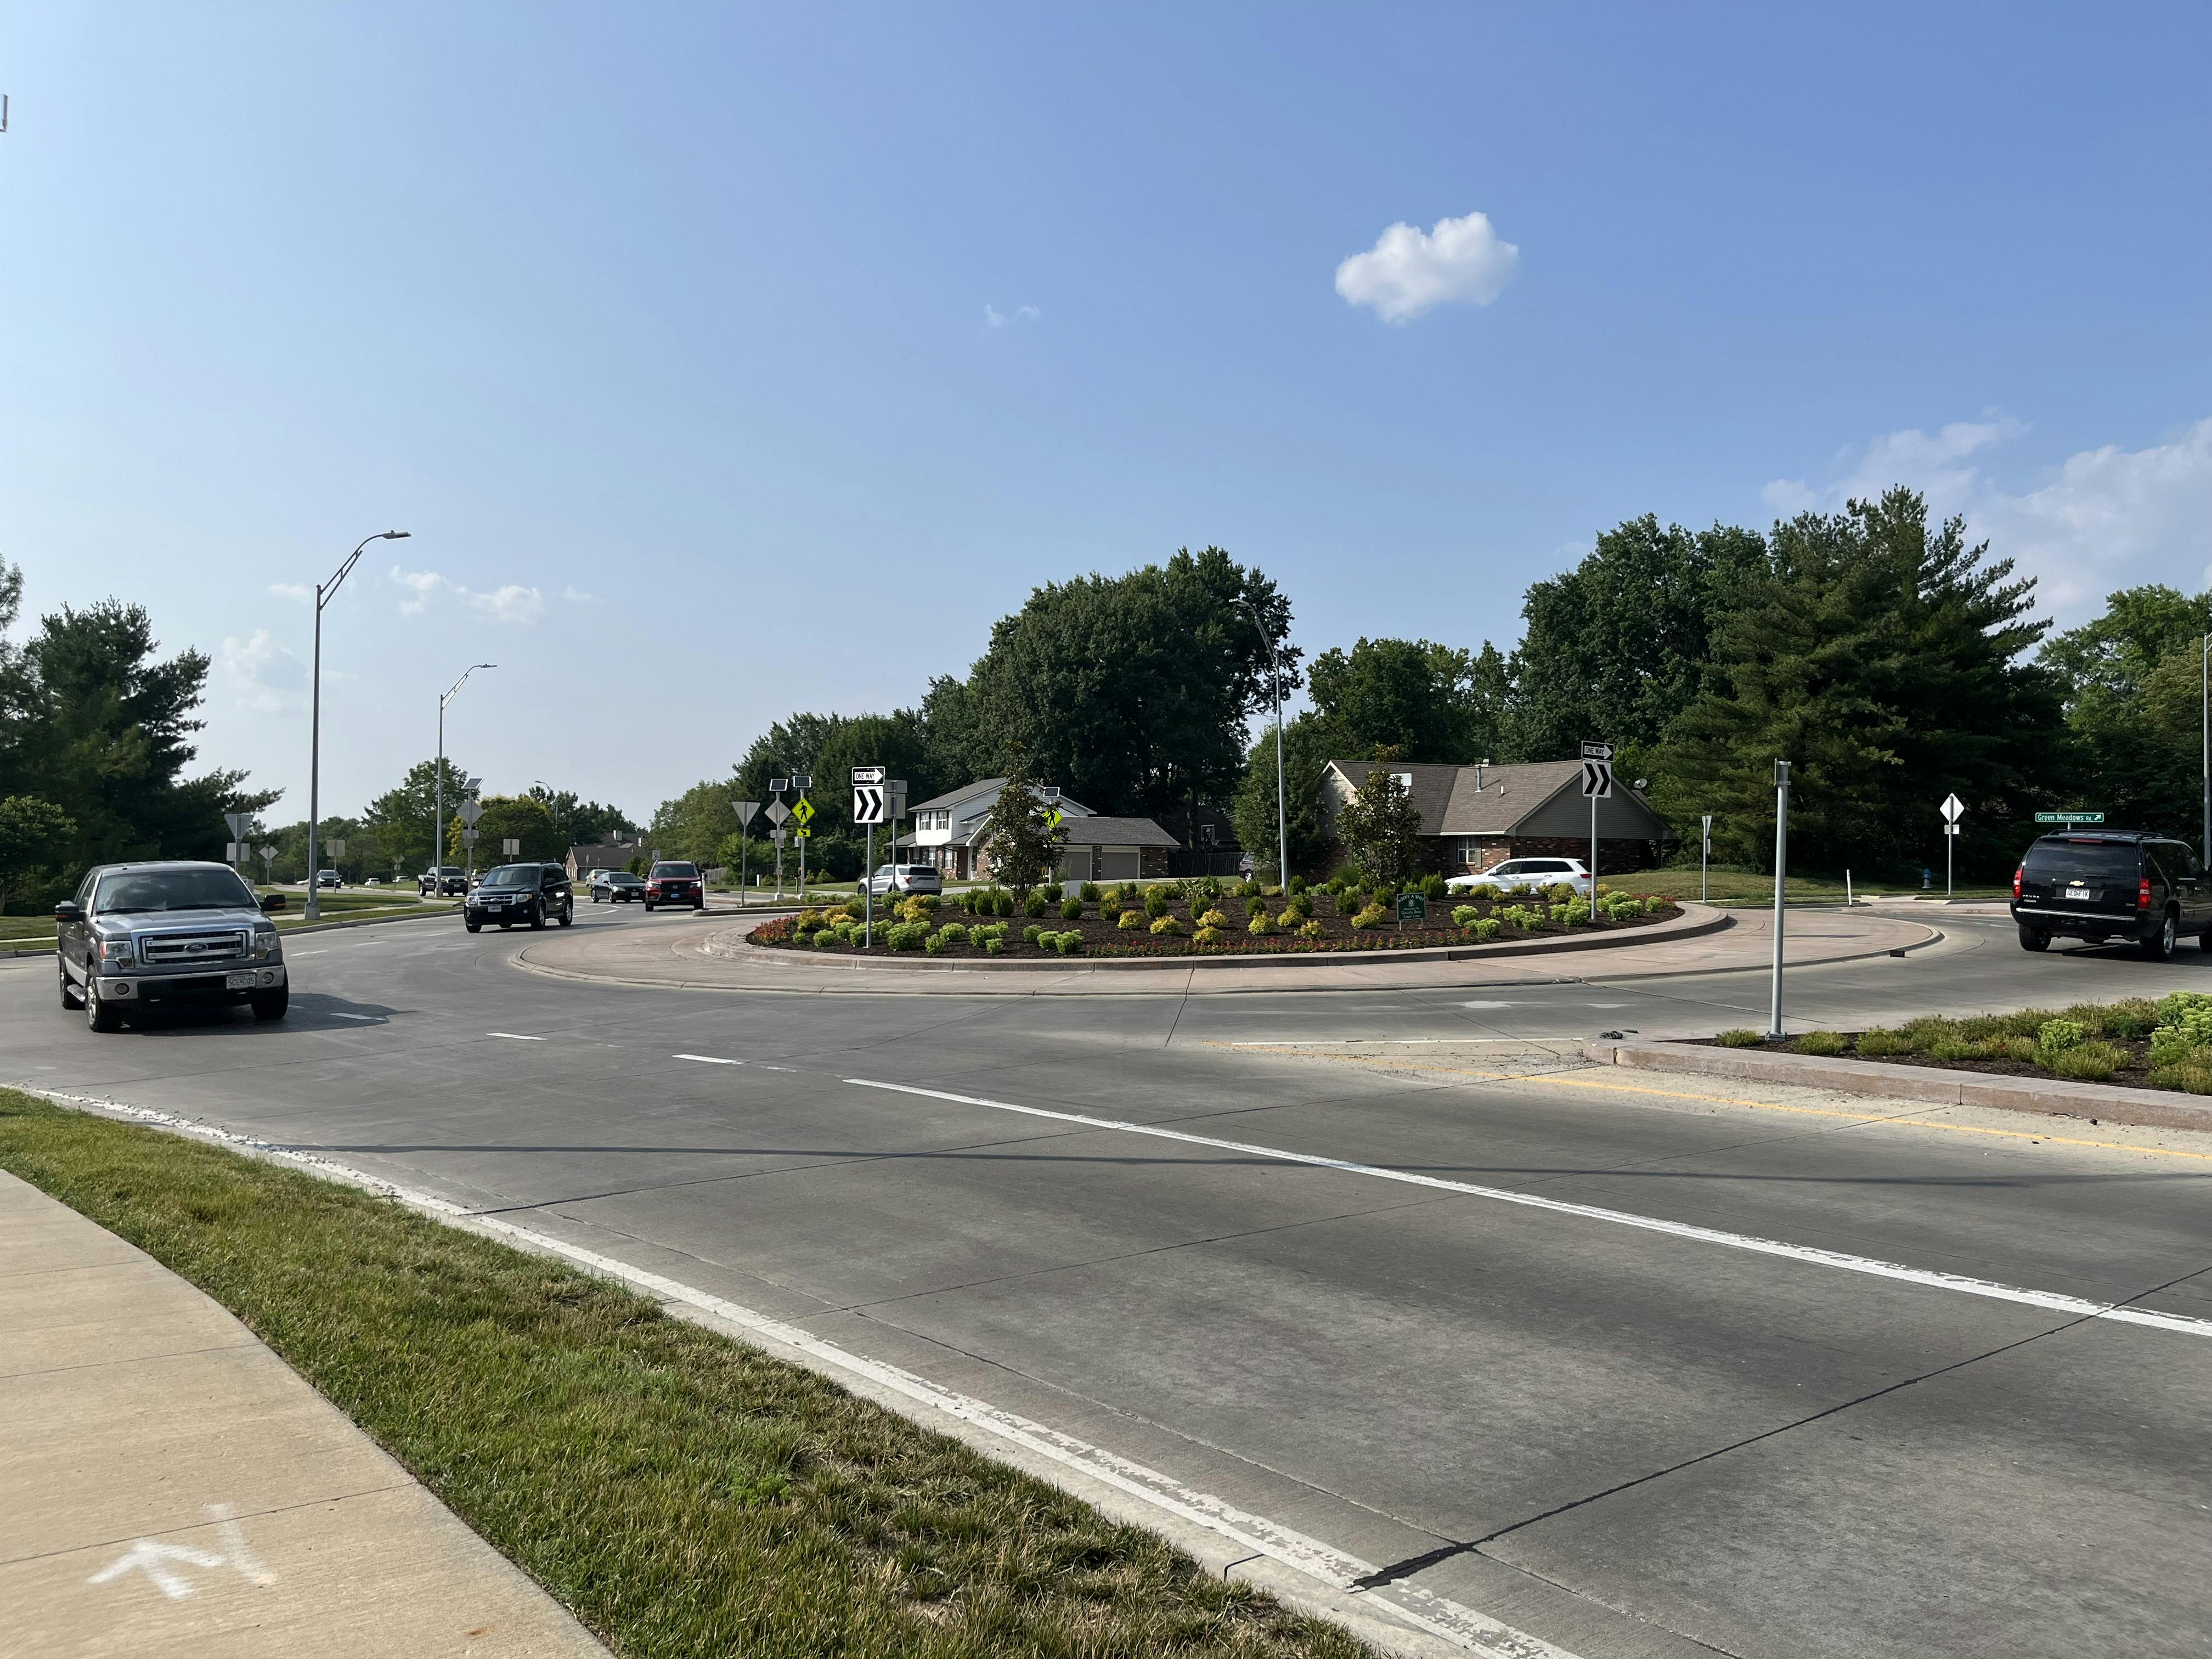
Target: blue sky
point(723, 361)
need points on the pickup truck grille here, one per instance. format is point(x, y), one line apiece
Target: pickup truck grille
point(192, 949)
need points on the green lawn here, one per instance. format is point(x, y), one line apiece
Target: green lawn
point(37, 932)
point(686, 1495)
point(1751, 887)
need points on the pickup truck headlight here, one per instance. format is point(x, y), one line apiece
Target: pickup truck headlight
point(115, 953)
point(264, 943)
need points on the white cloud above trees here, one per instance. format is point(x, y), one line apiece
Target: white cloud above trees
point(1410, 271)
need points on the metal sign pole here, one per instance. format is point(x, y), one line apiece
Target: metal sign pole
point(1705, 861)
point(1781, 869)
point(868, 887)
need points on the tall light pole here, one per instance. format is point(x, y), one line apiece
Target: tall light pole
point(438, 784)
point(1282, 814)
point(2204, 667)
point(324, 593)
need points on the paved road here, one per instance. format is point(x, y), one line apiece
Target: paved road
point(1616, 1438)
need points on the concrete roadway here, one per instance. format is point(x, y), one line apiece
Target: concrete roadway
point(1619, 1440)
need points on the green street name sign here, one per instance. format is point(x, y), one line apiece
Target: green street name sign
point(2069, 817)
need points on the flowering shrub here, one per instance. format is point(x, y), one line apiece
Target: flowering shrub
point(1166, 924)
point(1213, 919)
point(1313, 930)
point(1373, 916)
point(1261, 922)
point(1208, 934)
point(1130, 919)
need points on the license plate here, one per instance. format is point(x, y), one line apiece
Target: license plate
point(2083, 894)
point(237, 982)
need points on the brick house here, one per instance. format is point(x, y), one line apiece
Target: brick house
point(1475, 816)
point(612, 853)
point(948, 833)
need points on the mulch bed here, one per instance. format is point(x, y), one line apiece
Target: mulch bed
point(1105, 938)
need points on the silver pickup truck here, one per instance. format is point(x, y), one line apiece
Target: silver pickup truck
point(170, 932)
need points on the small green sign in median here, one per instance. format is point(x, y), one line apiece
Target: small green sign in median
point(2069, 817)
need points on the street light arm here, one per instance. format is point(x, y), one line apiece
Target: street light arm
point(322, 594)
point(455, 691)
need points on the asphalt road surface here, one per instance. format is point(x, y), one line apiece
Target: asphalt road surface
point(1320, 1296)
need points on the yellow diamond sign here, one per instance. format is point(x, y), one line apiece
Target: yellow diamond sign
point(804, 811)
point(1051, 818)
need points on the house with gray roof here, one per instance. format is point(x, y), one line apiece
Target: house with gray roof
point(949, 833)
point(1475, 816)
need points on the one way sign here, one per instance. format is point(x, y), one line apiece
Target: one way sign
point(1597, 780)
point(868, 803)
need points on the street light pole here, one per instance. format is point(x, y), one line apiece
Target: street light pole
point(1781, 872)
point(324, 592)
point(2205, 668)
point(438, 786)
point(1282, 815)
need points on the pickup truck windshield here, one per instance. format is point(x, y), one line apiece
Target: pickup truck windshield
point(139, 890)
point(2075, 860)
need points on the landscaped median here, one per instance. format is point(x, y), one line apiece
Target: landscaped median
point(684, 1494)
point(2134, 1061)
point(1207, 918)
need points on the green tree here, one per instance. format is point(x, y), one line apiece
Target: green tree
point(33, 834)
point(1428, 702)
point(693, 825)
point(1131, 692)
point(1881, 659)
point(580, 823)
point(509, 818)
point(403, 819)
point(2133, 692)
point(1618, 647)
point(1380, 828)
point(1023, 846)
point(1307, 747)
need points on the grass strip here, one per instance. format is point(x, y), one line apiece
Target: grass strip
point(684, 1494)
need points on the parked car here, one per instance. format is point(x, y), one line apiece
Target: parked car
point(2107, 885)
point(616, 886)
point(171, 932)
point(535, 893)
point(327, 878)
point(675, 881)
point(1526, 873)
point(444, 881)
point(905, 878)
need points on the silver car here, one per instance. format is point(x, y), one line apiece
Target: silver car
point(905, 878)
point(169, 933)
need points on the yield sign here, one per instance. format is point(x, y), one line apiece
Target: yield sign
point(1953, 806)
point(777, 812)
point(1597, 780)
point(868, 803)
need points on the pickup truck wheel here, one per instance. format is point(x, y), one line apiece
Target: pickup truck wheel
point(271, 1004)
point(2159, 946)
point(98, 1016)
point(2032, 938)
point(70, 999)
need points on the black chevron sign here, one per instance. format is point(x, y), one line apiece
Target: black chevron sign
point(1597, 780)
point(868, 803)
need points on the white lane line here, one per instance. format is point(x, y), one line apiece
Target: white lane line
point(1462, 1626)
point(514, 1037)
point(706, 1059)
point(2051, 1301)
point(371, 1018)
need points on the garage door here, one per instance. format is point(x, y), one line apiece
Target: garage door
point(1120, 864)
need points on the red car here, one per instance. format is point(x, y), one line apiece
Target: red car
point(675, 883)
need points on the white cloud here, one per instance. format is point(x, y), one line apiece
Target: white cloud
point(577, 596)
point(511, 603)
point(1409, 271)
point(298, 593)
point(2105, 519)
point(267, 678)
point(994, 317)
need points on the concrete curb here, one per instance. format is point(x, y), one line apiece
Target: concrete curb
point(2048, 1096)
point(1686, 925)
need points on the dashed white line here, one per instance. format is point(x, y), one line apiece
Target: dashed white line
point(514, 1037)
point(2049, 1301)
point(369, 1018)
point(707, 1060)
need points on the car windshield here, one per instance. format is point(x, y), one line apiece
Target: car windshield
point(622, 878)
point(674, 870)
point(512, 875)
point(136, 890)
point(2080, 860)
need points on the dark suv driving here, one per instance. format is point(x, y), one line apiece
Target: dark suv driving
point(2108, 885)
point(535, 893)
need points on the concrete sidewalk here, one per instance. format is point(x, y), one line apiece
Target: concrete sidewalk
point(174, 1488)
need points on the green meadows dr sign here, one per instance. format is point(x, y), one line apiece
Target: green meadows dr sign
point(2069, 817)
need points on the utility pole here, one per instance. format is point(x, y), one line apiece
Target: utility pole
point(438, 785)
point(1781, 870)
point(324, 592)
point(1282, 813)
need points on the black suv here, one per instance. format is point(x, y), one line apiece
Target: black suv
point(535, 893)
point(446, 881)
point(2117, 884)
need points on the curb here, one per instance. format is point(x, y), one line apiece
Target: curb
point(2050, 1098)
point(1685, 926)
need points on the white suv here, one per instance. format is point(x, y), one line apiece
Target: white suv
point(905, 878)
point(1528, 873)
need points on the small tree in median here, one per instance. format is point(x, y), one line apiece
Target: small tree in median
point(1381, 827)
point(1023, 846)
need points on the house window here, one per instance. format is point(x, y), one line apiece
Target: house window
point(1207, 835)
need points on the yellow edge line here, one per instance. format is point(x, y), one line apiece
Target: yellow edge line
point(1733, 1100)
